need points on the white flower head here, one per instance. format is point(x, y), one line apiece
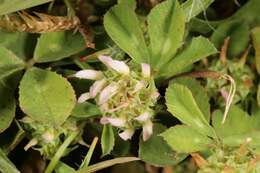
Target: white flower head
point(143, 117)
point(116, 65)
point(146, 70)
point(108, 92)
point(89, 74)
point(127, 134)
point(96, 87)
point(84, 97)
point(147, 130)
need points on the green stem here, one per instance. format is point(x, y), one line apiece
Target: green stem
point(60, 152)
point(50, 7)
point(68, 4)
point(86, 161)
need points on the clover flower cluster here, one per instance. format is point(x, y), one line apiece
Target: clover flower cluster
point(125, 97)
point(47, 139)
point(231, 159)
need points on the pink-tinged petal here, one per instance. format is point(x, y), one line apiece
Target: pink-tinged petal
point(96, 87)
point(138, 86)
point(155, 95)
point(104, 106)
point(83, 97)
point(48, 137)
point(103, 120)
point(105, 59)
point(127, 134)
point(143, 117)
point(146, 70)
point(224, 94)
point(108, 92)
point(89, 74)
point(118, 107)
point(117, 122)
point(147, 130)
point(118, 66)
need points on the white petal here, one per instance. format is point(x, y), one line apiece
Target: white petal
point(83, 97)
point(143, 117)
point(146, 70)
point(108, 92)
point(118, 122)
point(127, 134)
point(147, 130)
point(118, 66)
point(89, 74)
point(155, 95)
point(96, 87)
point(118, 107)
point(105, 59)
point(138, 86)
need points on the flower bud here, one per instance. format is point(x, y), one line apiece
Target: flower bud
point(127, 134)
point(143, 117)
point(146, 70)
point(83, 97)
point(147, 130)
point(89, 74)
point(155, 95)
point(116, 65)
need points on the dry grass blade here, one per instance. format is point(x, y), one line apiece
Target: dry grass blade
point(40, 23)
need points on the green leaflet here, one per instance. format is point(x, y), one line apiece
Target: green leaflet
point(198, 93)
point(185, 139)
point(193, 7)
point(9, 62)
point(7, 107)
point(181, 104)
point(85, 110)
point(238, 33)
point(107, 139)
point(192, 52)
point(46, 96)
point(166, 30)
point(131, 3)
point(7, 6)
point(123, 27)
point(58, 45)
point(156, 151)
point(237, 122)
point(20, 43)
